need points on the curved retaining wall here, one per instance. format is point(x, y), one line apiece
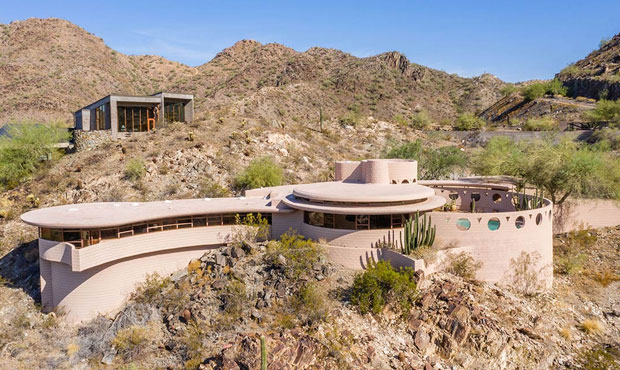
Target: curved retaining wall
point(97, 279)
point(495, 247)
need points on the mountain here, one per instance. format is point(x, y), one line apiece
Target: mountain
point(51, 67)
point(597, 75)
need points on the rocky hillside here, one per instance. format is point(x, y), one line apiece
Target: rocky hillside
point(514, 109)
point(597, 75)
point(51, 67)
point(211, 315)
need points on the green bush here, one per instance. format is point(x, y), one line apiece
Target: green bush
point(561, 168)
point(540, 124)
point(461, 264)
point(25, 148)
point(310, 304)
point(211, 189)
point(381, 284)
point(135, 169)
point(468, 122)
point(540, 89)
point(261, 172)
point(294, 254)
point(606, 111)
point(606, 138)
point(421, 120)
point(433, 163)
point(508, 89)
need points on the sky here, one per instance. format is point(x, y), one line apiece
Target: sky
point(514, 40)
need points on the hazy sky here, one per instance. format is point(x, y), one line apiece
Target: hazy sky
point(514, 40)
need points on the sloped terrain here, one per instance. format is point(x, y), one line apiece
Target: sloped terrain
point(596, 74)
point(211, 316)
point(50, 68)
point(514, 109)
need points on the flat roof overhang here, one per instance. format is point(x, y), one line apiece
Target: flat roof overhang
point(428, 204)
point(102, 215)
point(344, 192)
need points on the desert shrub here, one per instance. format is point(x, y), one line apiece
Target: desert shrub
point(606, 111)
point(261, 172)
point(606, 138)
point(539, 89)
point(310, 304)
point(163, 293)
point(132, 341)
point(24, 149)
point(605, 277)
point(250, 228)
point(569, 256)
point(600, 357)
point(381, 284)
point(234, 298)
point(508, 89)
point(525, 274)
point(400, 119)
point(468, 122)
point(540, 124)
point(433, 163)
point(211, 189)
point(591, 326)
point(461, 264)
point(135, 169)
point(572, 70)
point(569, 264)
point(561, 168)
point(294, 254)
point(421, 120)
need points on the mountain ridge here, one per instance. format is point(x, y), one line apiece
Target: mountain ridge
point(51, 67)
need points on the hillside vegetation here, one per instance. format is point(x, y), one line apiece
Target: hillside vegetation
point(51, 67)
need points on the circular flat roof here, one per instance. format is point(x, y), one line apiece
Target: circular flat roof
point(344, 192)
point(96, 215)
point(427, 204)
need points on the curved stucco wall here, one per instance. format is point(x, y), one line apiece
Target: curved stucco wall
point(97, 279)
point(377, 171)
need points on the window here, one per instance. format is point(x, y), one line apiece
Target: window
point(72, 235)
point(314, 218)
point(463, 224)
point(139, 229)
point(497, 198)
point(475, 196)
point(538, 219)
point(520, 222)
point(134, 119)
point(199, 221)
point(493, 223)
point(100, 113)
point(109, 233)
point(174, 112)
point(380, 221)
point(453, 196)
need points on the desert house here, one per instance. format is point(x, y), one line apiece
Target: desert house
point(92, 255)
point(124, 115)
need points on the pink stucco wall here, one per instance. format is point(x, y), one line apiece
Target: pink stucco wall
point(97, 279)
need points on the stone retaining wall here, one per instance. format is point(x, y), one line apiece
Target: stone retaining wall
point(87, 140)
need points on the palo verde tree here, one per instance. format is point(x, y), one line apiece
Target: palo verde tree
point(561, 168)
point(433, 163)
point(26, 147)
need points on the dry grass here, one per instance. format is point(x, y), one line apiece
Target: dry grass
point(566, 333)
point(591, 326)
point(604, 278)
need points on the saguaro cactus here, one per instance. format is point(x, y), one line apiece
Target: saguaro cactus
point(263, 353)
point(418, 232)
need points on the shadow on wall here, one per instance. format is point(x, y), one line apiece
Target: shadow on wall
point(20, 269)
